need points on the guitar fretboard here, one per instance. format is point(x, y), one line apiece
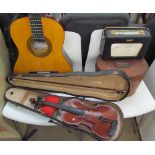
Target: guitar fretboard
point(36, 27)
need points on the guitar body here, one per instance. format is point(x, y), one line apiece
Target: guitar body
point(28, 60)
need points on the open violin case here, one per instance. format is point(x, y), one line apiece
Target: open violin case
point(34, 92)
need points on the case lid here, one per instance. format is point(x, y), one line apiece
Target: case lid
point(135, 68)
point(111, 85)
point(114, 32)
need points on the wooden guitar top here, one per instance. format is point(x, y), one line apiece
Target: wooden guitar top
point(37, 56)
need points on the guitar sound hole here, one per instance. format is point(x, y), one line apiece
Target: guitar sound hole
point(39, 48)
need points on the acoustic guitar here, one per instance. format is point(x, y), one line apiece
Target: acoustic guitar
point(39, 41)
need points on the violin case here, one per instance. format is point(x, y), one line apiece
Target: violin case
point(111, 85)
point(135, 69)
point(22, 97)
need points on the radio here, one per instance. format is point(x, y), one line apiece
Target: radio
point(124, 42)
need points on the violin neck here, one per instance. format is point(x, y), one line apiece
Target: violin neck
point(65, 108)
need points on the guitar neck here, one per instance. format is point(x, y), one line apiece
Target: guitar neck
point(36, 27)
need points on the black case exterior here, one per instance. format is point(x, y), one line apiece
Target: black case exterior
point(108, 39)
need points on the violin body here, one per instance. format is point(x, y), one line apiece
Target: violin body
point(92, 118)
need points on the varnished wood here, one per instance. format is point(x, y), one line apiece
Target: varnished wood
point(26, 62)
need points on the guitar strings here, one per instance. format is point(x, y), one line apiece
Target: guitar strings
point(40, 38)
point(37, 40)
point(43, 40)
point(34, 39)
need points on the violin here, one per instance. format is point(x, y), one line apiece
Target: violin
point(101, 120)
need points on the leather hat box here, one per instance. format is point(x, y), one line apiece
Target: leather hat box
point(135, 69)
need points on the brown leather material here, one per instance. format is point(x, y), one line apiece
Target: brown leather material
point(111, 85)
point(21, 97)
point(135, 69)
